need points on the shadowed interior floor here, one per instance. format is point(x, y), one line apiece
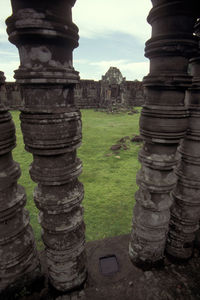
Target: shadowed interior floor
point(111, 276)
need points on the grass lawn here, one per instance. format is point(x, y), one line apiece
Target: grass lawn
point(109, 178)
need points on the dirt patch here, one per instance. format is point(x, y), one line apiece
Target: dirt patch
point(133, 111)
point(124, 139)
point(124, 144)
point(137, 139)
point(116, 147)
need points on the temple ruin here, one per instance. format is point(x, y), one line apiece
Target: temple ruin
point(111, 91)
point(167, 211)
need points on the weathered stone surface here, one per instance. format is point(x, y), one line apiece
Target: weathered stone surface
point(51, 124)
point(90, 94)
point(111, 93)
point(137, 139)
point(164, 121)
point(116, 147)
point(185, 211)
point(18, 255)
point(14, 99)
point(87, 94)
point(113, 76)
point(115, 91)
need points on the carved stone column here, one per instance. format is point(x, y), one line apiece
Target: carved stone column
point(163, 123)
point(18, 256)
point(185, 212)
point(51, 124)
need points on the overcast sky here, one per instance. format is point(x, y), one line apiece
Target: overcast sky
point(112, 33)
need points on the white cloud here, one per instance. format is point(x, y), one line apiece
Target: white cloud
point(80, 61)
point(6, 53)
point(9, 60)
point(8, 68)
point(5, 9)
point(100, 17)
point(96, 18)
point(4, 14)
point(135, 70)
point(3, 34)
point(130, 70)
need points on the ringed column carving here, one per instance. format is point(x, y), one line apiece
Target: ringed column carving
point(45, 36)
point(18, 255)
point(163, 123)
point(185, 212)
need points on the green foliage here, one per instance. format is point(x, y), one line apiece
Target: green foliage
point(109, 178)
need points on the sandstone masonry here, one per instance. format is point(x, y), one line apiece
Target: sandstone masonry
point(111, 90)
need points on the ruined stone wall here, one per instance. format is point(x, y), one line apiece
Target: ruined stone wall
point(134, 93)
point(14, 99)
point(88, 94)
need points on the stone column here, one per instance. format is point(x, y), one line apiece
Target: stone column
point(18, 256)
point(51, 124)
point(163, 123)
point(185, 212)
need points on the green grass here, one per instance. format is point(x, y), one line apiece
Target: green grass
point(109, 179)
